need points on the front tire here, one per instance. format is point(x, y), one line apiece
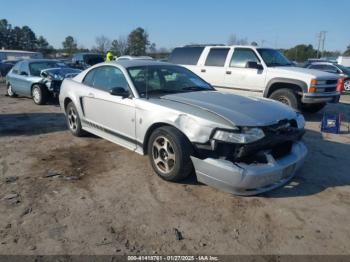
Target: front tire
point(73, 120)
point(39, 94)
point(10, 91)
point(286, 96)
point(169, 152)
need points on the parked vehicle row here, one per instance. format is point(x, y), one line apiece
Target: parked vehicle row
point(334, 68)
point(38, 78)
point(262, 71)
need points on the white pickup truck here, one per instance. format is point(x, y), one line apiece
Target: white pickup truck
point(259, 71)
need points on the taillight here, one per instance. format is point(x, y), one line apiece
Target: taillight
point(340, 85)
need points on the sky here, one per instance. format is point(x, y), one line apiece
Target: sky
point(278, 24)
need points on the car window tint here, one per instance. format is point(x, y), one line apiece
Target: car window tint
point(23, 68)
point(108, 77)
point(217, 57)
point(241, 56)
point(15, 69)
point(186, 55)
point(317, 67)
point(89, 78)
point(330, 68)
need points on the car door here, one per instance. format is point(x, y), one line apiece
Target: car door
point(112, 115)
point(13, 75)
point(239, 76)
point(23, 80)
point(213, 70)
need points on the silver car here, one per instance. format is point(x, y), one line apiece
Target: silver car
point(238, 144)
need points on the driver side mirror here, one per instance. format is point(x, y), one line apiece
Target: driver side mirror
point(119, 91)
point(254, 65)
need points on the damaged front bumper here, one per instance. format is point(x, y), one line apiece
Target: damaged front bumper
point(250, 179)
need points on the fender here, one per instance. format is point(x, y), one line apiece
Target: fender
point(283, 80)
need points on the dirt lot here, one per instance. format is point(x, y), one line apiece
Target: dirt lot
point(118, 206)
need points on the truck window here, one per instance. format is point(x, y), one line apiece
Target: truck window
point(241, 56)
point(186, 55)
point(217, 57)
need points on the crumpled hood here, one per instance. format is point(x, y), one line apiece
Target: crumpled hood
point(59, 73)
point(239, 110)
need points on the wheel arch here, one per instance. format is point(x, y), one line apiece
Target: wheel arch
point(279, 83)
point(155, 126)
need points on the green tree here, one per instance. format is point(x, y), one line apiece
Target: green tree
point(138, 42)
point(43, 46)
point(119, 46)
point(27, 39)
point(69, 45)
point(300, 53)
point(5, 33)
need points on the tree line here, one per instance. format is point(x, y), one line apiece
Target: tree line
point(137, 43)
point(23, 38)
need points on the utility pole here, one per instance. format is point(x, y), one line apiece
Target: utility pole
point(321, 36)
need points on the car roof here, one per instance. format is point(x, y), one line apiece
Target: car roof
point(138, 62)
point(39, 60)
point(323, 63)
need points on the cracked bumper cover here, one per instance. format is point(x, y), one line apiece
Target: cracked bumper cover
point(252, 179)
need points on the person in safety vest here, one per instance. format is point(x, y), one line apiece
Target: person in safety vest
point(109, 56)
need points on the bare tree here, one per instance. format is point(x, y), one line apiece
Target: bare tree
point(103, 44)
point(120, 47)
point(235, 40)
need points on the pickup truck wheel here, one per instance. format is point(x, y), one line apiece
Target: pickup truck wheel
point(313, 108)
point(347, 85)
point(39, 94)
point(73, 120)
point(169, 153)
point(286, 96)
point(10, 91)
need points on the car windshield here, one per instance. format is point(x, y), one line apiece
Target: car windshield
point(273, 57)
point(165, 79)
point(36, 67)
point(93, 59)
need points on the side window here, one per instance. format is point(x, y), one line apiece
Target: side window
point(23, 68)
point(217, 57)
point(89, 78)
point(15, 69)
point(317, 67)
point(108, 77)
point(241, 56)
point(186, 55)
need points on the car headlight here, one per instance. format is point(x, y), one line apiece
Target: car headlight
point(300, 120)
point(244, 136)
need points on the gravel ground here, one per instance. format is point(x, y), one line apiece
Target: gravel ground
point(100, 198)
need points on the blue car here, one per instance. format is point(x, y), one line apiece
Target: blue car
point(38, 78)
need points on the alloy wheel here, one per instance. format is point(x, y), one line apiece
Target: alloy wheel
point(9, 90)
point(72, 119)
point(163, 154)
point(36, 95)
point(347, 85)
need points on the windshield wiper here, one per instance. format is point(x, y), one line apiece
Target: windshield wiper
point(195, 88)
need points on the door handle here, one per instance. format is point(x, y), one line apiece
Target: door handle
point(228, 72)
point(203, 70)
point(91, 95)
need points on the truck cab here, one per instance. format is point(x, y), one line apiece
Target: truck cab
point(250, 70)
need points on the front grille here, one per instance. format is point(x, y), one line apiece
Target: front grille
point(331, 82)
point(330, 89)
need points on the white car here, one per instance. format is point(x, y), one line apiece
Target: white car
point(238, 144)
point(257, 71)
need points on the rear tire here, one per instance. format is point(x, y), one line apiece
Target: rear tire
point(10, 91)
point(169, 153)
point(313, 108)
point(40, 94)
point(73, 120)
point(286, 96)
